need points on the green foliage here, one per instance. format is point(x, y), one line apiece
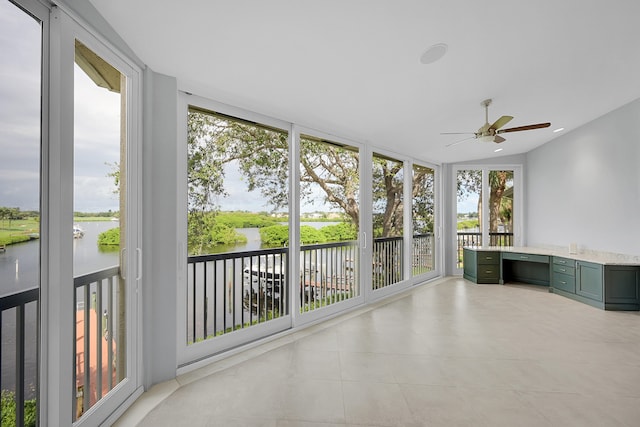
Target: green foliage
point(278, 235)
point(9, 410)
point(339, 232)
point(103, 215)
point(465, 225)
point(110, 237)
point(244, 220)
point(209, 229)
point(222, 234)
point(310, 235)
point(14, 230)
point(275, 235)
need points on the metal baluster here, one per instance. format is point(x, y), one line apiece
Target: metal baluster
point(20, 338)
point(98, 310)
point(250, 279)
point(204, 290)
point(110, 324)
point(193, 303)
point(87, 350)
point(224, 296)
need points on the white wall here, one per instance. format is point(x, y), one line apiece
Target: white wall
point(159, 227)
point(584, 186)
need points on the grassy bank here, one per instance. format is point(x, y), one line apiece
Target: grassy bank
point(19, 230)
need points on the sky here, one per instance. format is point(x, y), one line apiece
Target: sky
point(96, 123)
point(19, 108)
point(239, 199)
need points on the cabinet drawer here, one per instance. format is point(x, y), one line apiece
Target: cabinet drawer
point(489, 271)
point(489, 258)
point(525, 257)
point(563, 269)
point(564, 282)
point(564, 261)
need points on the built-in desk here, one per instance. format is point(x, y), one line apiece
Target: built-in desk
point(604, 280)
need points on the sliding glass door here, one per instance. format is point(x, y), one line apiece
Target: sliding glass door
point(487, 208)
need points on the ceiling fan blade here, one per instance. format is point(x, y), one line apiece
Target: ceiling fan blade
point(459, 142)
point(498, 139)
point(501, 122)
point(457, 133)
point(528, 127)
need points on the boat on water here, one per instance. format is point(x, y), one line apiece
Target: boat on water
point(78, 232)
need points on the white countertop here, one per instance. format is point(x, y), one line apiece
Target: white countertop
point(599, 257)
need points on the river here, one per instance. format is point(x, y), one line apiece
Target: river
point(19, 271)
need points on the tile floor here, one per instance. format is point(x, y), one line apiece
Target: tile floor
point(445, 354)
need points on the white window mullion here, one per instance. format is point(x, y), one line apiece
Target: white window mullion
point(407, 219)
point(294, 224)
point(58, 299)
point(484, 220)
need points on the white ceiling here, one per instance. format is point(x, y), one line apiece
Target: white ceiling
point(352, 67)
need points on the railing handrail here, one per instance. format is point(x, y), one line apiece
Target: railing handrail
point(95, 276)
point(19, 298)
point(387, 239)
point(344, 243)
point(422, 235)
point(231, 255)
point(341, 244)
point(479, 233)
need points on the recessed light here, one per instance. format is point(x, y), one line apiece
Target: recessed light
point(497, 150)
point(434, 53)
point(558, 130)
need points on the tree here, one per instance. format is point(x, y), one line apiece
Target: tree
point(498, 184)
point(470, 182)
point(423, 201)
point(261, 154)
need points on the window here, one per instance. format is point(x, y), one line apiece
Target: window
point(20, 213)
point(387, 211)
point(487, 220)
point(423, 247)
point(329, 222)
point(237, 231)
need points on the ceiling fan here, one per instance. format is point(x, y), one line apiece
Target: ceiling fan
point(491, 132)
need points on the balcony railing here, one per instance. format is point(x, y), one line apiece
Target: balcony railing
point(235, 290)
point(18, 314)
point(387, 261)
point(422, 254)
point(475, 239)
point(329, 274)
point(99, 320)
point(226, 292)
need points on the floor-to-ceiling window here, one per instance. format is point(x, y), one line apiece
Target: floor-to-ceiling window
point(487, 207)
point(329, 222)
point(388, 221)
point(237, 232)
point(21, 39)
point(423, 215)
point(100, 230)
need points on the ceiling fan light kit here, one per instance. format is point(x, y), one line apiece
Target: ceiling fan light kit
point(491, 132)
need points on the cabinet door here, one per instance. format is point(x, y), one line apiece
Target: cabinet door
point(589, 280)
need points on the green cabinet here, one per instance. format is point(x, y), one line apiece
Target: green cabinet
point(621, 287)
point(481, 266)
point(607, 286)
point(563, 274)
point(589, 280)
